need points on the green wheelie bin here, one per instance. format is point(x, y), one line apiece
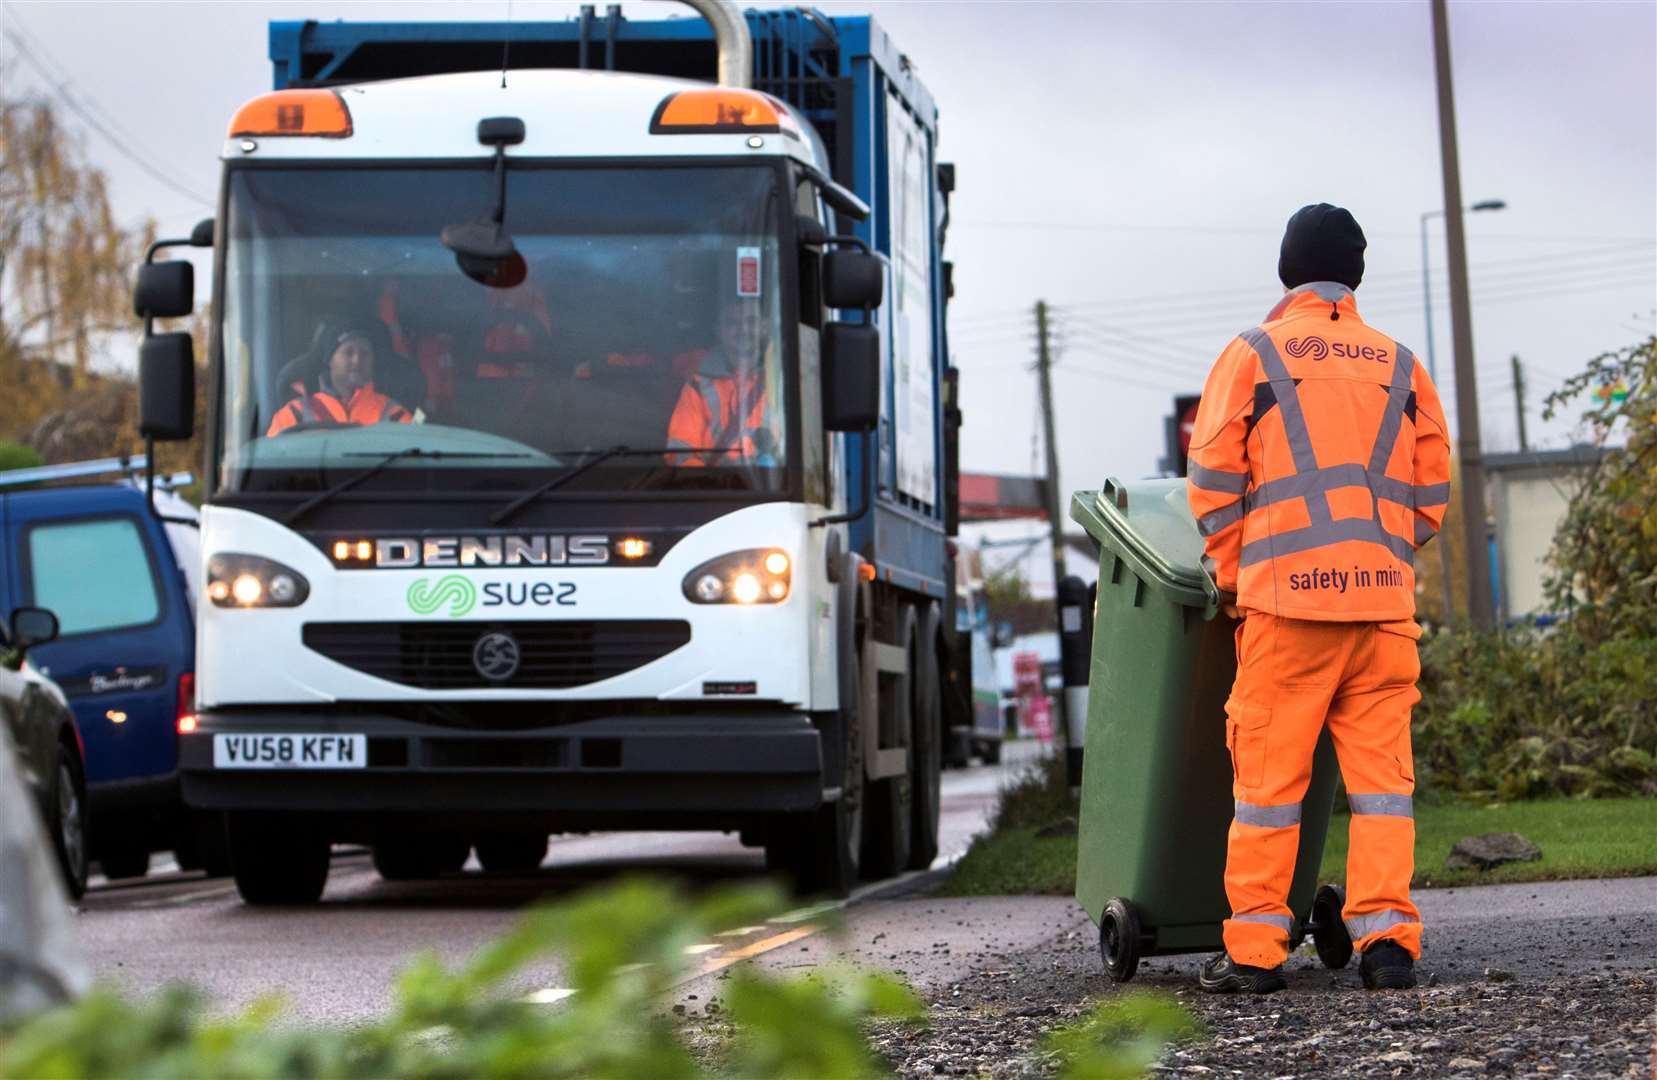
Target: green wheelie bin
point(1156, 787)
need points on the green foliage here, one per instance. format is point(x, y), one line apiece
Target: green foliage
point(1038, 795)
point(18, 456)
point(1571, 710)
point(1525, 713)
point(622, 950)
point(1015, 862)
point(1604, 556)
point(1122, 1037)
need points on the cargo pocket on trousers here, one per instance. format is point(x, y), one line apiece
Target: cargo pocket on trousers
point(1246, 727)
point(1406, 756)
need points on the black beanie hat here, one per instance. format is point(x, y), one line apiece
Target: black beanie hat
point(1322, 243)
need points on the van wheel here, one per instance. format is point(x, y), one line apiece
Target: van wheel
point(69, 824)
point(277, 858)
point(511, 853)
point(417, 857)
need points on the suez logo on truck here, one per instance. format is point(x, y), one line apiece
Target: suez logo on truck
point(457, 595)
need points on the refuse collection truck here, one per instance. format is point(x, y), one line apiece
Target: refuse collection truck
point(578, 455)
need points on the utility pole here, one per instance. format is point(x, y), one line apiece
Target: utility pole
point(1446, 580)
point(1519, 400)
point(1055, 507)
point(1476, 545)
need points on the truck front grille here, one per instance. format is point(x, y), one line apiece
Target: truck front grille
point(446, 655)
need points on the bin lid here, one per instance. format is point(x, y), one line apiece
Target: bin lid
point(1149, 523)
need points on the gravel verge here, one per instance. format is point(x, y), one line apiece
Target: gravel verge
point(1510, 987)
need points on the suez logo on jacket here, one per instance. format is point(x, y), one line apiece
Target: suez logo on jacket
point(1320, 349)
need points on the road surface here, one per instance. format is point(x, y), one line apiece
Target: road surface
point(337, 961)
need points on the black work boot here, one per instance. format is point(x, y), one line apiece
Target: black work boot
point(1387, 965)
point(1223, 975)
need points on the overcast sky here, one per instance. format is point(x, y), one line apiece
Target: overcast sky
point(1132, 164)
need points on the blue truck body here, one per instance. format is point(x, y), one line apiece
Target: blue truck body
point(860, 92)
point(106, 565)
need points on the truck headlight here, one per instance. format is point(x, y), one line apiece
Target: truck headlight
point(235, 580)
point(755, 576)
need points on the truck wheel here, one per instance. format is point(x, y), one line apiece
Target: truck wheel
point(69, 824)
point(511, 853)
point(890, 821)
point(926, 749)
point(277, 859)
point(125, 858)
point(420, 856)
point(202, 844)
point(990, 751)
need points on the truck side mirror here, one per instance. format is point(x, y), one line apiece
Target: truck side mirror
point(202, 235)
point(167, 386)
point(31, 626)
point(165, 290)
point(852, 279)
point(851, 376)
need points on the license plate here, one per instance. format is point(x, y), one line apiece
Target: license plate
point(290, 751)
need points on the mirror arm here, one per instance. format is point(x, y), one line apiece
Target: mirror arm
point(868, 488)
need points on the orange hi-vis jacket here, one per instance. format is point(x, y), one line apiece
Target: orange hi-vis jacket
point(722, 410)
point(367, 406)
point(1319, 462)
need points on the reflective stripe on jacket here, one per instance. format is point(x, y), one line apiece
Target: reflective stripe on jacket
point(723, 411)
point(1319, 462)
point(367, 406)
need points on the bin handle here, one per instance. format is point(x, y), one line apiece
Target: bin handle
point(1215, 597)
point(1114, 493)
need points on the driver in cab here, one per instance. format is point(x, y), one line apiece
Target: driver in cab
point(343, 391)
point(724, 405)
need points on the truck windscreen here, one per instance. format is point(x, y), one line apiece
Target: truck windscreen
point(646, 313)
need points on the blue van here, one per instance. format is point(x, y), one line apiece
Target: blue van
point(121, 579)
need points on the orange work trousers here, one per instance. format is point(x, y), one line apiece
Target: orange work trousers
point(1294, 676)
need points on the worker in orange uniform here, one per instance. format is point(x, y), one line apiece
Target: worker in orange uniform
point(1319, 463)
point(725, 405)
point(344, 389)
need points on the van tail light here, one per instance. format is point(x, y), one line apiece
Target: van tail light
point(187, 703)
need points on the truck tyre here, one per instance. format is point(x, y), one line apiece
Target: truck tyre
point(889, 823)
point(926, 749)
point(420, 856)
point(202, 844)
point(990, 751)
point(511, 853)
point(821, 851)
point(69, 823)
point(277, 859)
point(124, 858)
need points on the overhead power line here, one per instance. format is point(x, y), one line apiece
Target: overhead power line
point(60, 86)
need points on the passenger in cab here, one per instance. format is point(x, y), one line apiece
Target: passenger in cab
point(724, 407)
point(342, 390)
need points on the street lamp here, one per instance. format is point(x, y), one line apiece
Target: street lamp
point(1432, 369)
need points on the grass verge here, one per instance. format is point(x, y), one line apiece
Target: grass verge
point(1578, 838)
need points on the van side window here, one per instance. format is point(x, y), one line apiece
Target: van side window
point(94, 574)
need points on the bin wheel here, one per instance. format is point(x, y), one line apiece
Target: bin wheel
point(1329, 934)
point(1120, 939)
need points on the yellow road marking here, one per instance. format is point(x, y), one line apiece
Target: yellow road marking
point(765, 945)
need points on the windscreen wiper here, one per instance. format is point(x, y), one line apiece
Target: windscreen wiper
point(599, 457)
point(380, 466)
